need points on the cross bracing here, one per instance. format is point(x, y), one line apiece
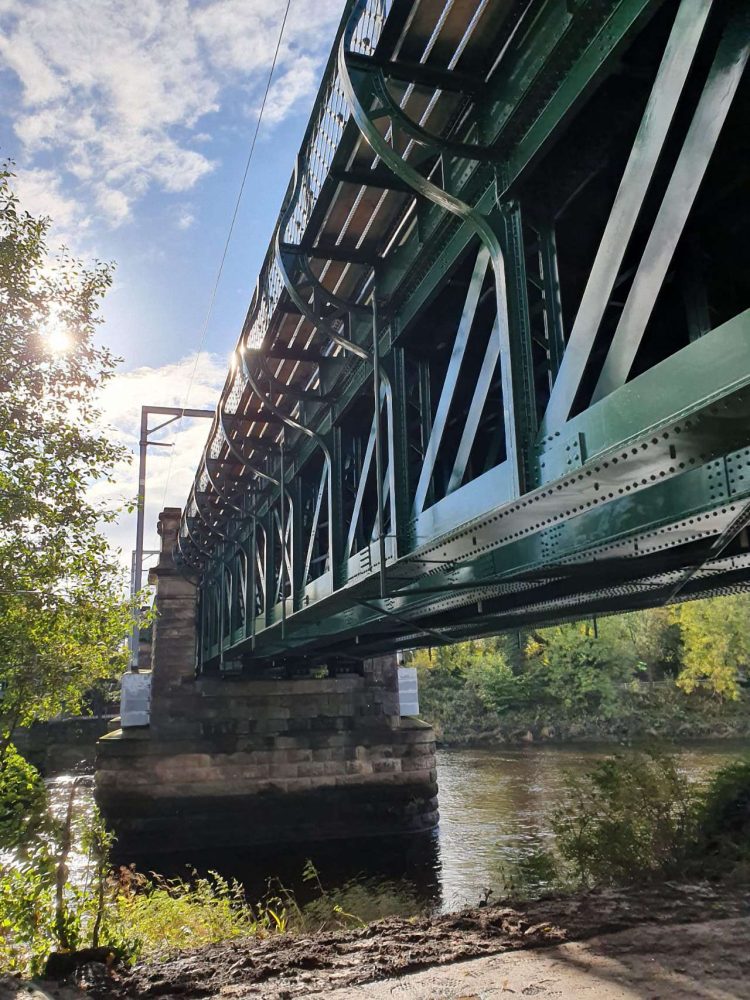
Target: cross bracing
point(496, 369)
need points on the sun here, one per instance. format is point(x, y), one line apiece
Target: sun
point(55, 335)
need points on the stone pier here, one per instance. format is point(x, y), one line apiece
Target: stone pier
point(239, 761)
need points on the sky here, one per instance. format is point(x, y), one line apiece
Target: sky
point(130, 123)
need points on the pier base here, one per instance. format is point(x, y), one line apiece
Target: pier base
point(241, 761)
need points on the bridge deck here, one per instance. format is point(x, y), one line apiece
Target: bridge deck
point(538, 207)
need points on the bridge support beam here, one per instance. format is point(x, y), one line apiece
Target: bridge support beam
point(235, 761)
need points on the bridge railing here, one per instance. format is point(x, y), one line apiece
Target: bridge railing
point(319, 147)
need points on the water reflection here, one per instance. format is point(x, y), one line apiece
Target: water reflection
point(494, 807)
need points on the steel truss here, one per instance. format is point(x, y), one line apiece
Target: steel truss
point(496, 370)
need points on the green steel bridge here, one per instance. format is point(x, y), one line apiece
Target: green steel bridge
point(496, 369)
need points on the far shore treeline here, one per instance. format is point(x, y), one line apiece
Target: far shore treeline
point(675, 672)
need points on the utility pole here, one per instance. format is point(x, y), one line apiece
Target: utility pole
point(172, 413)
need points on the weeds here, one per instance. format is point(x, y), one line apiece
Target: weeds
point(157, 916)
point(350, 905)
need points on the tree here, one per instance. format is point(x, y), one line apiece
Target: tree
point(575, 670)
point(62, 613)
point(647, 640)
point(716, 645)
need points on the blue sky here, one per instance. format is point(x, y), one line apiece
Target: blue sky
point(130, 123)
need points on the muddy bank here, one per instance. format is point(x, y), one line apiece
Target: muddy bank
point(286, 967)
point(669, 962)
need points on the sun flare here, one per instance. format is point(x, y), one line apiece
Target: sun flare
point(55, 335)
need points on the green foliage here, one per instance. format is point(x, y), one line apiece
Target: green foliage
point(575, 670)
point(23, 800)
point(451, 694)
point(635, 817)
point(628, 819)
point(136, 915)
point(722, 839)
point(42, 910)
point(62, 617)
point(351, 904)
point(533, 875)
point(716, 645)
point(646, 642)
point(27, 915)
point(157, 916)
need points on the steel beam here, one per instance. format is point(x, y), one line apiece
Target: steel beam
point(463, 333)
point(713, 107)
point(649, 142)
point(474, 414)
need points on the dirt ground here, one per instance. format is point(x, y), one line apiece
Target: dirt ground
point(684, 962)
point(666, 941)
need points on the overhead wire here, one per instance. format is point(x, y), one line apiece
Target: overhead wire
point(220, 270)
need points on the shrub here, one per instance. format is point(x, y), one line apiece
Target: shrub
point(628, 819)
point(156, 916)
point(571, 669)
point(135, 915)
point(722, 828)
point(352, 904)
point(23, 799)
point(635, 817)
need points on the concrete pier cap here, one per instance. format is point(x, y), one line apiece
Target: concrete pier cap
point(254, 759)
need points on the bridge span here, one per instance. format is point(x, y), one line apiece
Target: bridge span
point(496, 369)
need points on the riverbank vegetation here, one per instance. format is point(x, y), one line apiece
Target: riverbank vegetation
point(678, 672)
point(62, 901)
point(635, 818)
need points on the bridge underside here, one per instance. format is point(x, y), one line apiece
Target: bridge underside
point(496, 371)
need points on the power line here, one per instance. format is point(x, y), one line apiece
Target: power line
point(212, 300)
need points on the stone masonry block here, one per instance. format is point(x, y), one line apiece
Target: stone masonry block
point(280, 770)
point(311, 770)
point(380, 766)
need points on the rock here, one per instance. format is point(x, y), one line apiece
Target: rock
point(62, 964)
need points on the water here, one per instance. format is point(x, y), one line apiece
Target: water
point(494, 807)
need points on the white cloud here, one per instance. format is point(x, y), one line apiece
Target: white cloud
point(113, 204)
point(116, 91)
point(290, 87)
point(40, 194)
point(170, 471)
point(185, 218)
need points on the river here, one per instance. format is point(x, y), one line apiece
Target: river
point(494, 816)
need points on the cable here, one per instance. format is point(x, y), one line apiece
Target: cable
point(212, 300)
